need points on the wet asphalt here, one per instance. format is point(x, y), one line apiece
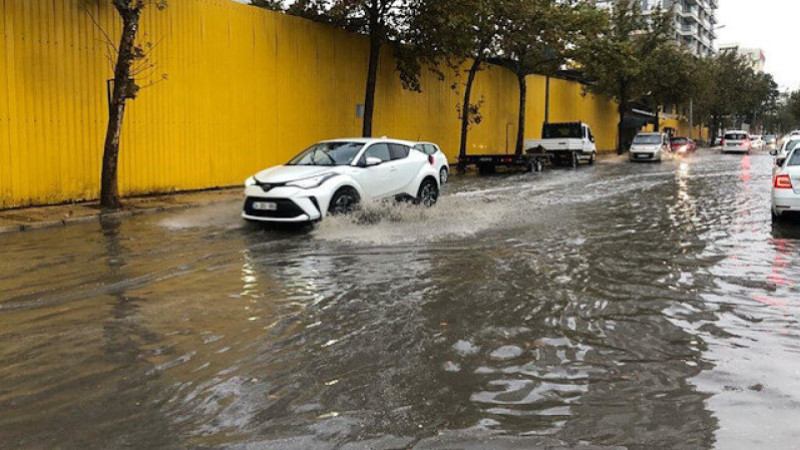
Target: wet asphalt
point(622, 305)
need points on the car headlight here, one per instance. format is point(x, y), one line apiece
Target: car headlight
point(310, 183)
point(250, 182)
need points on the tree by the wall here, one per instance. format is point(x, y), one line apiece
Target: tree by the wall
point(670, 78)
point(540, 36)
point(129, 59)
point(381, 20)
point(459, 32)
point(615, 59)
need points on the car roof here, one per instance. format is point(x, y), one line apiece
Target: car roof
point(650, 134)
point(737, 132)
point(365, 141)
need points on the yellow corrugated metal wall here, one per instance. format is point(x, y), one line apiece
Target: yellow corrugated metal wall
point(245, 89)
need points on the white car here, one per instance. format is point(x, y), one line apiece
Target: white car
point(736, 141)
point(332, 177)
point(440, 159)
point(756, 143)
point(788, 145)
point(649, 146)
point(786, 185)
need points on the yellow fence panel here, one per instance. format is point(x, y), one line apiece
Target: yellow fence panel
point(233, 89)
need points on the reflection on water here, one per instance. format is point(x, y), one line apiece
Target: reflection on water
point(645, 306)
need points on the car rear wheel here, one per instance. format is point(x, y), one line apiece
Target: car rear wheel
point(344, 201)
point(443, 174)
point(428, 193)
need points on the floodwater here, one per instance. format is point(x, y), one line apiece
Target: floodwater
point(624, 305)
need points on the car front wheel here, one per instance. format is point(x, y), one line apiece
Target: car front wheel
point(344, 201)
point(428, 193)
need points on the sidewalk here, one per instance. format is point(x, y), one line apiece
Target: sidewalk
point(37, 217)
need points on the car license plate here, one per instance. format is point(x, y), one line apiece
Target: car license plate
point(265, 206)
point(485, 159)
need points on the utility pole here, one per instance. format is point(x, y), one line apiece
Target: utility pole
point(691, 118)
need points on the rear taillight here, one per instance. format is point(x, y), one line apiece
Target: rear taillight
point(783, 182)
point(430, 159)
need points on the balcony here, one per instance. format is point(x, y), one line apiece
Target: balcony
point(688, 30)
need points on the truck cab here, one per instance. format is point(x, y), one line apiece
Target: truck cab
point(567, 142)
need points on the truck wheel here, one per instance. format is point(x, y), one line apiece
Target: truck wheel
point(591, 159)
point(573, 160)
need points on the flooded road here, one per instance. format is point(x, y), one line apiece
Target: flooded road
point(621, 305)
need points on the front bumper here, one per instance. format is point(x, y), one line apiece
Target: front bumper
point(645, 156)
point(294, 205)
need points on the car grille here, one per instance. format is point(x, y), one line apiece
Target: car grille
point(643, 155)
point(266, 187)
point(287, 209)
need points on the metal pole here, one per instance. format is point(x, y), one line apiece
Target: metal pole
point(547, 100)
point(691, 118)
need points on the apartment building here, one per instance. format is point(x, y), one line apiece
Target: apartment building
point(695, 21)
point(755, 56)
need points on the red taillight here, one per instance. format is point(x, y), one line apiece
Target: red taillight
point(430, 159)
point(783, 182)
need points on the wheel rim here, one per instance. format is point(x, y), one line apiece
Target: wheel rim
point(443, 176)
point(344, 203)
point(429, 194)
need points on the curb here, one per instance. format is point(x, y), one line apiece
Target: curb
point(33, 226)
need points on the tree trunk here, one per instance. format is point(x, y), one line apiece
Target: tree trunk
point(372, 81)
point(473, 71)
point(523, 100)
point(621, 110)
point(123, 90)
point(657, 124)
point(620, 129)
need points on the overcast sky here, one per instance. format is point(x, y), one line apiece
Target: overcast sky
point(767, 24)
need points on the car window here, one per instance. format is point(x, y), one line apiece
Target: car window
point(431, 149)
point(794, 160)
point(680, 141)
point(398, 151)
point(735, 136)
point(647, 139)
point(790, 145)
point(380, 151)
point(328, 154)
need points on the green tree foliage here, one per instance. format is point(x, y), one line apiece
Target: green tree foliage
point(458, 33)
point(539, 38)
point(617, 58)
point(669, 77)
point(275, 5)
point(730, 92)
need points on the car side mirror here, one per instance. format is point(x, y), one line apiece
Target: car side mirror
point(373, 161)
point(592, 139)
point(779, 162)
point(773, 152)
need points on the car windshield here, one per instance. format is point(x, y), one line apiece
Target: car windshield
point(680, 141)
point(735, 136)
point(562, 131)
point(328, 154)
point(647, 139)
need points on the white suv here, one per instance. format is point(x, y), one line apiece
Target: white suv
point(332, 177)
